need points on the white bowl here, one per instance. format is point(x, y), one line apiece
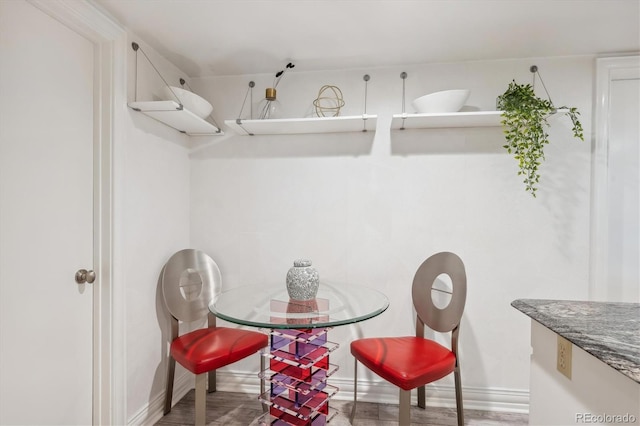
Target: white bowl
point(189, 100)
point(444, 101)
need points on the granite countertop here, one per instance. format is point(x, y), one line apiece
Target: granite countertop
point(609, 331)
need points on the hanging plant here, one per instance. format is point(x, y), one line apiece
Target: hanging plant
point(524, 119)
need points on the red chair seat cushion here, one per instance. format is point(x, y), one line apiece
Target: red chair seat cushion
point(407, 362)
point(208, 349)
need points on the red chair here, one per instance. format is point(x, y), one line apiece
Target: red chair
point(412, 362)
point(190, 282)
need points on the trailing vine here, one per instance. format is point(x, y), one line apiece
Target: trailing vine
point(524, 120)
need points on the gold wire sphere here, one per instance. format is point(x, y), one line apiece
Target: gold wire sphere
point(328, 104)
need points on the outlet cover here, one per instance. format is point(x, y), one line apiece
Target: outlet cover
point(564, 356)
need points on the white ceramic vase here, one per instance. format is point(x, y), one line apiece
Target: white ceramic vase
point(302, 280)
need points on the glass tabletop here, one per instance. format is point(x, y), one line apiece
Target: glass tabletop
point(270, 306)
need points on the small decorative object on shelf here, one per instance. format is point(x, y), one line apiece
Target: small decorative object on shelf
point(302, 280)
point(270, 106)
point(524, 119)
point(328, 104)
point(441, 102)
point(188, 99)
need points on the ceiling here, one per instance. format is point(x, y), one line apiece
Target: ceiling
point(229, 37)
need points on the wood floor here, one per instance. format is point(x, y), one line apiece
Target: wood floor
point(240, 409)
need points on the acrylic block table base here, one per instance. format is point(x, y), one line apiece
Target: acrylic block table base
point(299, 366)
point(298, 354)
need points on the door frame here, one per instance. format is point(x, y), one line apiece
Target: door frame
point(109, 40)
point(608, 69)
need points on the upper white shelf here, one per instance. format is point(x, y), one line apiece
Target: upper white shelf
point(288, 126)
point(174, 115)
point(449, 119)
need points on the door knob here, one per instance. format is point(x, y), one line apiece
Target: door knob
point(84, 276)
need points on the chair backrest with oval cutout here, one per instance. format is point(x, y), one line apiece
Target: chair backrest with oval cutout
point(447, 318)
point(190, 282)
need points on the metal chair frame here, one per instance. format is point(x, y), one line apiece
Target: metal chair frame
point(442, 320)
point(190, 281)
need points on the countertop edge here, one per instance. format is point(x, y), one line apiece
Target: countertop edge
point(608, 354)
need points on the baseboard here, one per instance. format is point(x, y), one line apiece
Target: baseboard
point(487, 399)
point(154, 410)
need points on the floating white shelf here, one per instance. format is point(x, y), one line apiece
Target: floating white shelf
point(451, 120)
point(174, 115)
point(443, 120)
point(288, 126)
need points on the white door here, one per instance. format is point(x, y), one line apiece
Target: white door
point(615, 244)
point(46, 219)
point(624, 190)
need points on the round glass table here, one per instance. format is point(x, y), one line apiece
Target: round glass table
point(270, 307)
point(298, 353)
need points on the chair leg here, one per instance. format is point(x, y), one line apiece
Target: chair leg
point(168, 396)
point(211, 375)
point(263, 383)
point(201, 399)
point(355, 392)
point(422, 398)
point(459, 408)
point(404, 416)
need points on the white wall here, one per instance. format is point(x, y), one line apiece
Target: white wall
point(369, 208)
point(152, 222)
